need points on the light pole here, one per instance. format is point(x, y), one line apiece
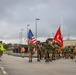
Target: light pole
point(68, 37)
point(53, 35)
point(36, 37)
point(21, 35)
point(27, 32)
point(36, 28)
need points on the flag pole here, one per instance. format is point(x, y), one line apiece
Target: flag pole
point(61, 17)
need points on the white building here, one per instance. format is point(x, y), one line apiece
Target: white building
point(69, 42)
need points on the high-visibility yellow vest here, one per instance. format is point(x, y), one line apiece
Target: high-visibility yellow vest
point(1, 47)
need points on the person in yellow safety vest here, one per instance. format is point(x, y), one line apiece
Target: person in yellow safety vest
point(22, 51)
point(1, 49)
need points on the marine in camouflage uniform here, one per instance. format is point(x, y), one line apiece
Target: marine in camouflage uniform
point(48, 50)
point(31, 46)
point(39, 52)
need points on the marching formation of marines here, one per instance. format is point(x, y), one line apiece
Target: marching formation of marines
point(53, 51)
point(50, 51)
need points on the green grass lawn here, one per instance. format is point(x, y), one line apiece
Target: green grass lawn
point(8, 52)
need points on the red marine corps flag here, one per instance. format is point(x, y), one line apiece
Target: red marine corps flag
point(58, 37)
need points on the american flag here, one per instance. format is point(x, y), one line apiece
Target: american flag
point(32, 39)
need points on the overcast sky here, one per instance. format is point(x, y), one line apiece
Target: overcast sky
point(17, 14)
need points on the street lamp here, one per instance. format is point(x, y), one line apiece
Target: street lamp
point(21, 35)
point(27, 32)
point(36, 28)
point(53, 35)
point(68, 37)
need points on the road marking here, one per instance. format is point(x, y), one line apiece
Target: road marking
point(4, 72)
point(2, 68)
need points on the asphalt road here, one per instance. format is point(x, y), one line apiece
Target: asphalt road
point(20, 66)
